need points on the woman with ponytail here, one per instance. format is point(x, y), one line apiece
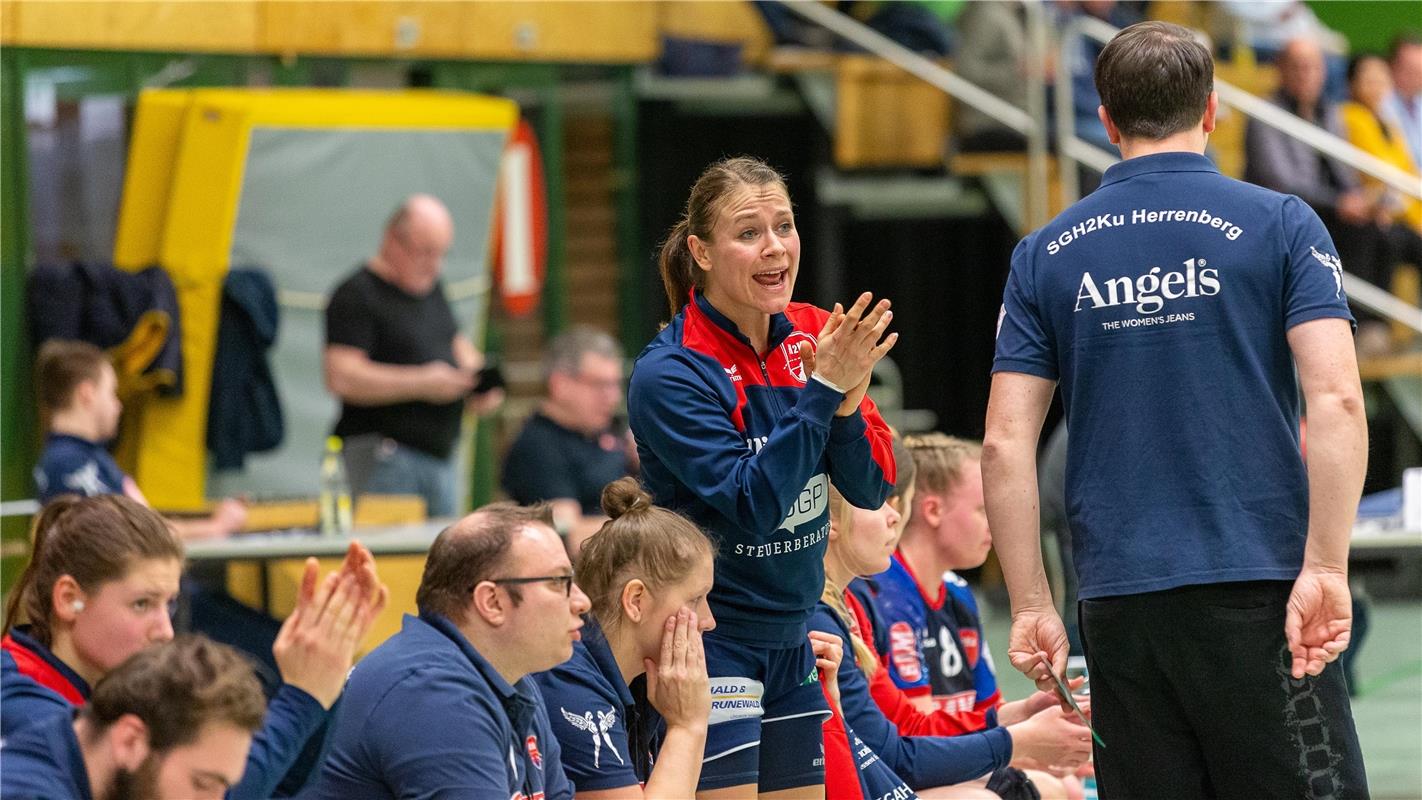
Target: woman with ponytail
point(744, 408)
point(647, 572)
point(100, 586)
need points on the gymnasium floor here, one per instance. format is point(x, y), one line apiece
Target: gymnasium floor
point(1387, 707)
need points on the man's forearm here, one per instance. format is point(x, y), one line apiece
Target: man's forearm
point(374, 384)
point(1010, 486)
point(1337, 462)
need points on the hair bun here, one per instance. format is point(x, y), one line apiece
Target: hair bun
point(624, 495)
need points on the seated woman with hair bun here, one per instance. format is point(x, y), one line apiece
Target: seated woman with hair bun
point(647, 572)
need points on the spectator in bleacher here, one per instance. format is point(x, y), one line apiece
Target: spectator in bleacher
point(570, 448)
point(79, 409)
point(395, 358)
point(1269, 27)
point(1276, 160)
point(992, 53)
point(445, 707)
point(647, 573)
point(99, 587)
point(1371, 130)
point(1404, 104)
point(174, 722)
point(1085, 99)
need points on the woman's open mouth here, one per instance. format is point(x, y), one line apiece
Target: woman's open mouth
point(772, 279)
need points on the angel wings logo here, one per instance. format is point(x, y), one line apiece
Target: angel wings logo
point(597, 730)
point(1331, 261)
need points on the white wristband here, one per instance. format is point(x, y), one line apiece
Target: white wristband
point(826, 381)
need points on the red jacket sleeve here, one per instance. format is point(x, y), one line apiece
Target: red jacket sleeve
point(841, 773)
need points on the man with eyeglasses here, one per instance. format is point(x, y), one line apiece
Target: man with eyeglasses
point(571, 447)
point(443, 708)
point(398, 363)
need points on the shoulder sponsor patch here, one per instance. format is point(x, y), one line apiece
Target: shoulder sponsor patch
point(735, 698)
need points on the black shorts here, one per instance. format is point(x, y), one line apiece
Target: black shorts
point(1192, 696)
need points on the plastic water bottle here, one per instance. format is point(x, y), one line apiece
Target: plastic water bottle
point(335, 491)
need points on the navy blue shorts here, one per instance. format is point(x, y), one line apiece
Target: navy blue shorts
point(766, 713)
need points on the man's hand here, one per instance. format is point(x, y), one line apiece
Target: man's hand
point(445, 384)
point(484, 402)
point(1038, 633)
point(1319, 622)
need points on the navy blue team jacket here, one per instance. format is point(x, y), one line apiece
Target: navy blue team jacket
point(425, 715)
point(742, 444)
point(921, 761)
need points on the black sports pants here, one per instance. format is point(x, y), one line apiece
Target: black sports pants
point(1191, 693)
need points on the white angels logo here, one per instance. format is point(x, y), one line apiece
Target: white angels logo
point(85, 480)
point(1331, 261)
point(598, 730)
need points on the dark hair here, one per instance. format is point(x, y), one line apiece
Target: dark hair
point(708, 195)
point(1357, 61)
point(471, 550)
point(1407, 38)
point(60, 366)
point(94, 540)
point(178, 686)
point(1154, 79)
point(640, 540)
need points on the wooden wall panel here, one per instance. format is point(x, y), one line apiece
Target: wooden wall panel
point(184, 25)
point(618, 31)
point(610, 31)
point(352, 27)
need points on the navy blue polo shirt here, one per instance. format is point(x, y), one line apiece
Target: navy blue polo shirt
point(607, 741)
point(43, 762)
point(425, 715)
point(1161, 303)
point(550, 462)
point(71, 465)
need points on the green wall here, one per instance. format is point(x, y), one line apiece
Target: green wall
point(1369, 24)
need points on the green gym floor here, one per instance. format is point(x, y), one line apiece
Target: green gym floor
point(1387, 707)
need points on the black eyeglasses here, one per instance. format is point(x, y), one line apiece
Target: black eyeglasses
point(565, 580)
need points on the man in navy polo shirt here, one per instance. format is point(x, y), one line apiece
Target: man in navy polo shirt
point(173, 722)
point(1181, 312)
point(444, 708)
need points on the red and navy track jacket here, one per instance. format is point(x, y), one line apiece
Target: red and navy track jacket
point(744, 446)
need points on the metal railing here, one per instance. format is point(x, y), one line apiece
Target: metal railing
point(1073, 150)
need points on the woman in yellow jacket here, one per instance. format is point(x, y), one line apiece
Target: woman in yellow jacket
point(1369, 82)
